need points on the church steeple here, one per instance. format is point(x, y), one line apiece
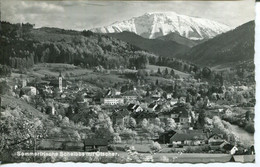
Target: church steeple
point(60, 82)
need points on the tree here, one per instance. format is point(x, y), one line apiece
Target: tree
point(157, 82)
point(240, 98)
point(201, 118)
point(117, 138)
point(206, 72)
point(141, 73)
point(170, 124)
point(247, 115)
point(19, 132)
point(128, 133)
point(159, 71)
point(172, 73)
point(144, 123)
point(103, 126)
point(157, 121)
point(132, 122)
point(5, 70)
point(4, 87)
point(166, 72)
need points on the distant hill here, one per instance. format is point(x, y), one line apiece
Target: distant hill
point(160, 47)
point(229, 48)
point(181, 40)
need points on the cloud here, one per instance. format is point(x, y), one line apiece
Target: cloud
point(78, 14)
point(39, 13)
point(39, 7)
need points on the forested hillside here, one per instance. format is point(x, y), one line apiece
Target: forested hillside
point(229, 48)
point(22, 46)
point(165, 48)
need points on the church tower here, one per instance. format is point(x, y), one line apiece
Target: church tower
point(60, 82)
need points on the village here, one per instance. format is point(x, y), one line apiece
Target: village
point(143, 116)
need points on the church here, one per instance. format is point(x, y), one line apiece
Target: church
point(59, 83)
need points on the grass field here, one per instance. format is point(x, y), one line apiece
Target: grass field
point(12, 102)
point(98, 79)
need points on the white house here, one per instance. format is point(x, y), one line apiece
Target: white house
point(113, 101)
point(168, 96)
point(29, 90)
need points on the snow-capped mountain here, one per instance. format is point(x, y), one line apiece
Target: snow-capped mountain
point(153, 25)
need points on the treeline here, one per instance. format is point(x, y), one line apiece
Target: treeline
point(24, 46)
point(5, 71)
point(174, 63)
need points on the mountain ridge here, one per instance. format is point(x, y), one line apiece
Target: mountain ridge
point(156, 24)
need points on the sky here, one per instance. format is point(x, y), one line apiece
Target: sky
point(83, 14)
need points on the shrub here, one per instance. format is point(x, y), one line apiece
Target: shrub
point(155, 147)
point(163, 159)
point(250, 128)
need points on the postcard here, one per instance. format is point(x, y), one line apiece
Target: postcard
point(127, 81)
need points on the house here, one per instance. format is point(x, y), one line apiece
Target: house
point(115, 100)
point(169, 96)
point(156, 95)
point(216, 141)
point(153, 107)
point(87, 98)
point(29, 90)
point(139, 116)
point(180, 115)
point(228, 112)
point(182, 100)
point(165, 137)
point(243, 158)
point(188, 139)
point(173, 102)
point(134, 108)
point(184, 118)
point(130, 95)
point(22, 82)
point(95, 144)
point(119, 116)
point(112, 92)
point(63, 95)
point(215, 138)
point(229, 148)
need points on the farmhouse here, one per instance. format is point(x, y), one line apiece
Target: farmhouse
point(188, 139)
point(215, 138)
point(216, 141)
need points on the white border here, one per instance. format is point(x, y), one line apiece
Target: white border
point(257, 117)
